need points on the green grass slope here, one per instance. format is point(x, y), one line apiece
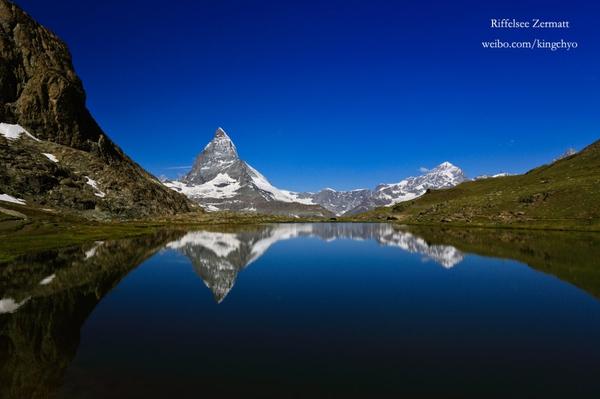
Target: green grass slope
point(561, 195)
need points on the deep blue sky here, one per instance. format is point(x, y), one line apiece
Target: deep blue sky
point(344, 94)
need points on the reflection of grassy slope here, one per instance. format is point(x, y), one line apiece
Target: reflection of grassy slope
point(38, 341)
point(564, 194)
point(572, 257)
point(38, 230)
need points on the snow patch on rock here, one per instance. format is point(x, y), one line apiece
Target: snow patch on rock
point(48, 279)
point(50, 157)
point(10, 198)
point(222, 186)
point(9, 305)
point(94, 184)
point(90, 253)
point(13, 132)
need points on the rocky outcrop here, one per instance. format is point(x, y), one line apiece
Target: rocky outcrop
point(39, 87)
point(41, 93)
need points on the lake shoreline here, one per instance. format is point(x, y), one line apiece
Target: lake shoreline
point(43, 231)
point(45, 235)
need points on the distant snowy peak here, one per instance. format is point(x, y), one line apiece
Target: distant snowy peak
point(483, 177)
point(566, 154)
point(445, 175)
point(442, 176)
point(338, 202)
point(452, 172)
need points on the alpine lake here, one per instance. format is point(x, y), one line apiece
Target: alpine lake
point(306, 310)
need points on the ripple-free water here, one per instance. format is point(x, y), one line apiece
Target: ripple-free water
point(294, 310)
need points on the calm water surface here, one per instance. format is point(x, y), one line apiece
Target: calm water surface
point(305, 310)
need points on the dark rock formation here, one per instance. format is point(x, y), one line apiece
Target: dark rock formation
point(40, 91)
point(38, 85)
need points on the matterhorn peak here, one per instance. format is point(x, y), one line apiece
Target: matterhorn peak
point(220, 133)
point(221, 147)
point(218, 154)
point(221, 142)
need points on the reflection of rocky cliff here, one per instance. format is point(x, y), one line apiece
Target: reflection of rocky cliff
point(46, 298)
point(218, 257)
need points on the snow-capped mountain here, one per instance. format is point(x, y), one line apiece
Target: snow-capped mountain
point(483, 177)
point(569, 152)
point(220, 180)
point(444, 175)
point(338, 202)
point(218, 257)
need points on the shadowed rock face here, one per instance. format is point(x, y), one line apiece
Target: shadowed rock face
point(40, 92)
point(218, 257)
point(39, 88)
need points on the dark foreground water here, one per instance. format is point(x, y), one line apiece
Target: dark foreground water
point(306, 310)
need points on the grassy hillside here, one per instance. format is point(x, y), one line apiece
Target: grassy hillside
point(563, 195)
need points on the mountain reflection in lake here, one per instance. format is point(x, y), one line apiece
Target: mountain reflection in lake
point(219, 257)
point(318, 310)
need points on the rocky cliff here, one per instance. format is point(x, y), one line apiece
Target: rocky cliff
point(53, 152)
